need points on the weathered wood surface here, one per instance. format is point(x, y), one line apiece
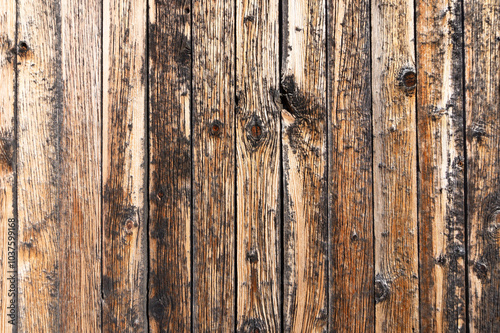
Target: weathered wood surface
point(124, 275)
point(258, 152)
point(7, 160)
point(214, 237)
point(59, 162)
point(352, 304)
point(441, 164)
point(394, 166)
point(170, 166)
point(482, 82)
point(304, 134)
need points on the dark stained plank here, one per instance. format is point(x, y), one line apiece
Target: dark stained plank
point(352, 304)
point(214, 279)
point(170, 166)
point(394, 165)
point(441, 163)
point(59, 160)
point(7, 163)
point(258, 166)
point(304, 134)
point(482, 84)
point(124, 156)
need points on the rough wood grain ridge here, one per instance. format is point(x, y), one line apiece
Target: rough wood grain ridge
point(124, 164)
point(170, 166)
point(394, 166)
point(59, 165)
point(8, 59)
point(258, 166)
point(352, 303)
point(441, 161)
point(482, 82)
point(304, 134)
point(214, 237)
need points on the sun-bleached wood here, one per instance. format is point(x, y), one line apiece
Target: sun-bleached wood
point(258, 166)
point(394, 166)
point(7, 157)
point(441, 163)
point(124, 164)
point(304, 134)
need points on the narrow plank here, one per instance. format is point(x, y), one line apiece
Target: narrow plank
point(482, 82)
point(352, 302)
point(124, 156)
point(441, 163)
point(59, 165)
point(258, 166)
point(304, 135)
point(214, 267)
point(170, 166)
point(8, 223)
point(394, 166)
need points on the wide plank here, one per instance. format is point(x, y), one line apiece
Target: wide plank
point(125, 221)
point(170, 166)
point(352, 303)
point(304, 135)
point(394, 166)
point(441, 164)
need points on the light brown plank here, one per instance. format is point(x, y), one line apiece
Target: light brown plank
point(441, 158)
point(258, 166)
point(304, 134)
point(8, 224)
point(124, 155)
point(482, 84)
point(352, 302)
point(59, 165)
point(394, 166)
point(214, 279)
point(170, 166)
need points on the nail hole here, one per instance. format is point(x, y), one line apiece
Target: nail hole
point(23, 47)
point(160, 194)
point(129, 225)
point(187, 10)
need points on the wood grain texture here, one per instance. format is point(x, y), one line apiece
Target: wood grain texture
point(394, 166)
point(170, 166)
point(124, 165)
point(352, 302)
point(258, 166)
point(8, 59)
point(304, 134)
point(59, 165)
point(482, 82)
point(441, 163)
point(214, 238)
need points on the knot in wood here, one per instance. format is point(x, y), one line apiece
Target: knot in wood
point(408, 79)
point(215, 128)
point(381, 289)
point(256, 131)
point(481, 269)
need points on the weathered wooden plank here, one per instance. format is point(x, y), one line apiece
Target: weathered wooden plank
point(352, 302)
point(258, 166)
point(8, 223)
point(304, 135)
point(59, 165)
point(124, 156)
point(214, 279)
point(441, 163)
point(170, 166)
point(394, 166)
point(482, 84)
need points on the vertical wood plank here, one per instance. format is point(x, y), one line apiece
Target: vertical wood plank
point(258, 166)
point(304, 135)
point(8, 275)
point(59, 165)
point(170, 166)
point(482, 82)
point(124, 154)
point(214, 290)
point(441, 160)
point(352, 301)
point(394, 166)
